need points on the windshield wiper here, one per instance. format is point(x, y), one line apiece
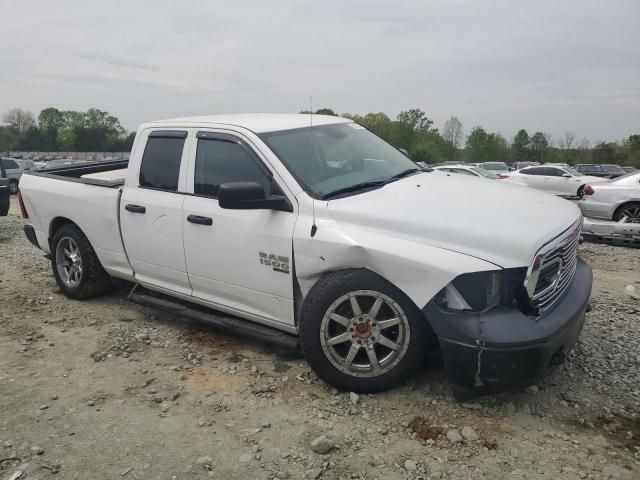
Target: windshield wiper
point(372, 184)
point(404, 173)
point(354, 188)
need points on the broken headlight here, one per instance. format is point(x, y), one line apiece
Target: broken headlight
point(479, 291)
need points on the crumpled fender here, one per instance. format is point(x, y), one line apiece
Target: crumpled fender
point(419, 270)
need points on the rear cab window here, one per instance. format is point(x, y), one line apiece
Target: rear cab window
point(160, 167)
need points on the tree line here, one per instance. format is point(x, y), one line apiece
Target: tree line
point(415, 132)
point(97, 130)
point(63, 131)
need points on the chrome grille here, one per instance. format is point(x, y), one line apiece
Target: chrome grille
point(556, 266)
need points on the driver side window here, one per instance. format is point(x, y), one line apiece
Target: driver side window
point(220, 160)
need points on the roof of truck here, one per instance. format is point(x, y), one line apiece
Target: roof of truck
point(256, 122)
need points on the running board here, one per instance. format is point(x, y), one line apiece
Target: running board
point(228, 324)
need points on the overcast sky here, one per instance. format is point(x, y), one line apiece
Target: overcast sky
point(545, 65)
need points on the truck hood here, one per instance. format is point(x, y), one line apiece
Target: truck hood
point(492, 220)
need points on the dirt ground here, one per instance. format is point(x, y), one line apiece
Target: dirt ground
point(105, 389)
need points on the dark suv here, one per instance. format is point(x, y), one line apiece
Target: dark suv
point(605, 170)
point(4, 192)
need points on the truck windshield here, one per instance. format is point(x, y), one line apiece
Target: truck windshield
point(330, 159)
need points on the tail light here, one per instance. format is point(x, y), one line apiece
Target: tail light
point(23, 209)
point(502, 175)
point(588, 190)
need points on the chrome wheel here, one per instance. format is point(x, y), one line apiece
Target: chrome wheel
point(631, 214)
point(13, 188)
point(364, 333)
point(69, 262)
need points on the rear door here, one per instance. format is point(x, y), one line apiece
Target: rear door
point(4, 192)
point(240, 260)
point(151, 210)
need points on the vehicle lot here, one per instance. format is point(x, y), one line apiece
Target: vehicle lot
point(107, 389)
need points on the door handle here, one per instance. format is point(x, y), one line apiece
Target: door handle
point(200, 220)
point(135, 208)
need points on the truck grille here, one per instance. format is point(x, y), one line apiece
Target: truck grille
point(556, 264)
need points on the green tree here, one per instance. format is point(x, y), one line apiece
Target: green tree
point(539, 145)
point(521, 146)
point(51, 119)
point(417, 120)
point(8, 138)
point(486, 147)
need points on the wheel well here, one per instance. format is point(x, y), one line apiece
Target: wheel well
point(56, 223)
point(626, 204)
point(301, 299)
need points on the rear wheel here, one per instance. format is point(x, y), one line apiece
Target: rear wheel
point(360, 333)
point(75, 264)
point(13, 187)
point(630, 211)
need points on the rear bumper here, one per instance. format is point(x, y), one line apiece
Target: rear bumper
point(504, 349)
point(594, 209)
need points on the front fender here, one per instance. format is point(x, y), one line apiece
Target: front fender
point(420, 271)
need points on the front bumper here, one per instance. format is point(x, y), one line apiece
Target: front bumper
point(503, 349)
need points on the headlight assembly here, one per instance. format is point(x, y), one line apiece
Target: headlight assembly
point(480, 291)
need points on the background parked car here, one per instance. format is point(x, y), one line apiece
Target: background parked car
point(564, 181)
point(28, 165)
point(521, 165)
point(614, 200)
point(4, 192)
point(468, 170)
point(604, 171)
point(496, 167)
point(14, 171)
point(630, 169)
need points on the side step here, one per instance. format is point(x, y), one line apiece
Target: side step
point(228, 324)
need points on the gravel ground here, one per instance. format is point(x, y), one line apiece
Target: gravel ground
point(107, 389)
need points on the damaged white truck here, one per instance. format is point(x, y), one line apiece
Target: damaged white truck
point(314, 230)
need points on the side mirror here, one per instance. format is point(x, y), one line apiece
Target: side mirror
point(566, 175)
point(250, 196)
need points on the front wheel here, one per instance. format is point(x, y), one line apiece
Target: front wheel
point(360, 333)
point(75, 264)
point(13, 187)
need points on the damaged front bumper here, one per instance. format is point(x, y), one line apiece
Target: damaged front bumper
point(504, 349)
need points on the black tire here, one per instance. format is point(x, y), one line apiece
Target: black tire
point(324, 296)
point(580, 192)
point(93, 279)
point(617, 216)
point(13, 187)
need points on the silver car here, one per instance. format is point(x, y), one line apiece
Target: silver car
point(617, 200)
point(14, 171)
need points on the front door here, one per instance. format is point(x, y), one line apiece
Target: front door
point(151, 213)
point(240, 260)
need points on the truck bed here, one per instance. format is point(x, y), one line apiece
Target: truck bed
point(74, 173)
point(60, 195)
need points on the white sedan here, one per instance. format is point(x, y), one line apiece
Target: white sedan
point(470, 170)
point(616, 200)
point(564, 181)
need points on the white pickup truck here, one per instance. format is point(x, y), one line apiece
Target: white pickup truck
point(313, 229)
